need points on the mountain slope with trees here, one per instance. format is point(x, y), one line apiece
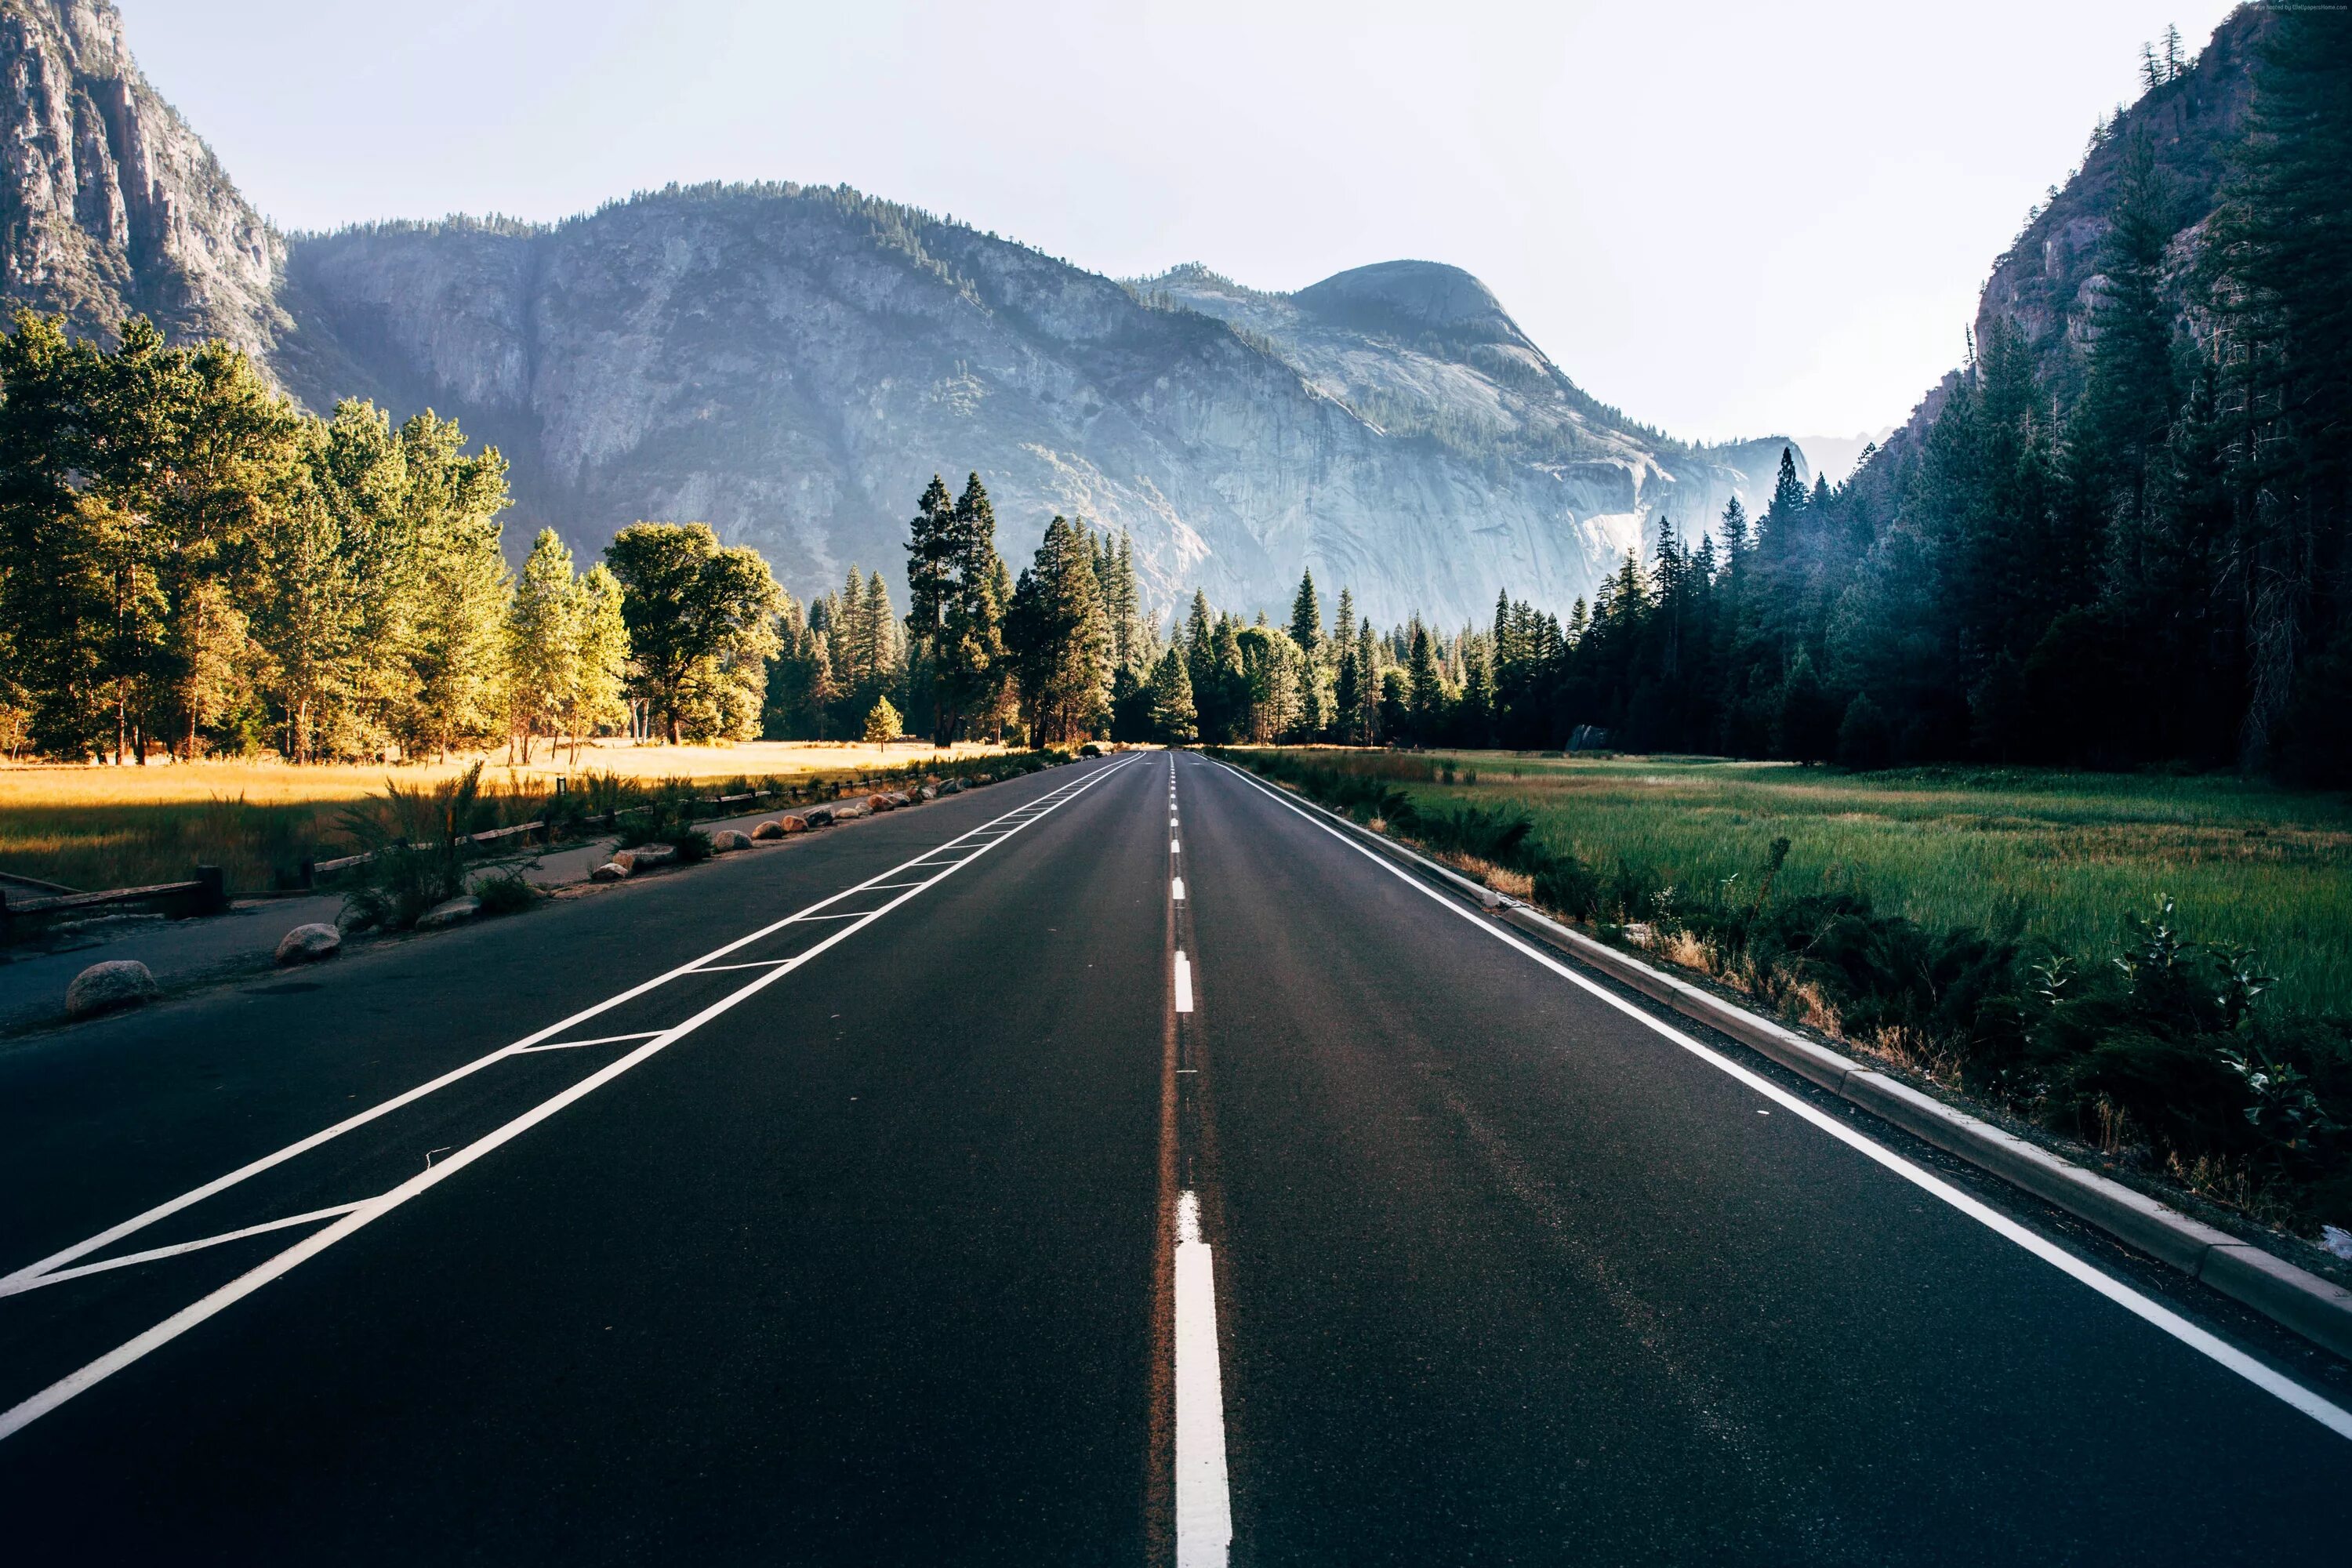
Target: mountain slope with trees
point(787, 362)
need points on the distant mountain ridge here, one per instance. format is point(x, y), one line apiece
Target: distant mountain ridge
point(793, 364)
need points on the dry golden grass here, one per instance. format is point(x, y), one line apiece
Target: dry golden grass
point(85, 827)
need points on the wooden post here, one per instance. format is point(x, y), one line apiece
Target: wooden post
point(211, 895)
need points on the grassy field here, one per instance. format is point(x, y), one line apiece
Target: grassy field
point(2061, 856)
point(90, 828)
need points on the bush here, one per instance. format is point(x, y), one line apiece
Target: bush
point(506, 892)
point(416, 836)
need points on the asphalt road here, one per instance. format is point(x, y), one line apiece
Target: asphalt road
point(1003, 1208)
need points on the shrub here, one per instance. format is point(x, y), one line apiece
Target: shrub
point(415, 838)
point(506, 892)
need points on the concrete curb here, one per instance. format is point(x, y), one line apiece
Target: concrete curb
point(2318, 1308)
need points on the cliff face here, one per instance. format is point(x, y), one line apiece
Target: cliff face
point(110, 205)
point(2046, 286)
point(793, 364)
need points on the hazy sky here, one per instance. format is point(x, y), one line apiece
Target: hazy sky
point(1728, 219)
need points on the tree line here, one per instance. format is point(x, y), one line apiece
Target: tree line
point(190, 564)
point(2134, 556)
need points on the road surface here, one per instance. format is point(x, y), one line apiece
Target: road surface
point(1112, 1166)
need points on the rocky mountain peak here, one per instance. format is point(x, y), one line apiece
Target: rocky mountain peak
point(110, 205)
point(1410, 296)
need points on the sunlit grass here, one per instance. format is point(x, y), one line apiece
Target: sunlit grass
point(2056, 855)
point(93, 828)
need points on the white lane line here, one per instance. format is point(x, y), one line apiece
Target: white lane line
point(303, 1146)
point(1174, 847)
point(1204, 1509)
point(1176, 889)
point(576, 1044)
point(153, 1254)
point(2332, 1417)
point(752, 964)
point(31, 1410)
point(1184, 983)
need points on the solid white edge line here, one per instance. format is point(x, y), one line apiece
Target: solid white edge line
point(1204, 1509)
point(23, 1415)
point(1184, 983)
point(2279, 1386)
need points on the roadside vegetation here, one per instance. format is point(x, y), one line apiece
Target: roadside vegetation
point(2160, 968)
point(91, 828)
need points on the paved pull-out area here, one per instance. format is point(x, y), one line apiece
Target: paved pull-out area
point(1005, 1181)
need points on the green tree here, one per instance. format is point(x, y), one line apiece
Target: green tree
point(457, 615)
point(542, 642)
point(701, 623)
point(954, 615)
point(883, 723)
point(1060, 639)
point(1174, 720)
point(1306, 617)
point(594, 702)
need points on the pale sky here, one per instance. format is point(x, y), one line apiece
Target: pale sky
point(1728, 219)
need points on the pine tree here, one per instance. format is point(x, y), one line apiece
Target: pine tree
point(543, 639)
point(593, 702)
point(1307, 617)
point(1174, 719)
point(1060, 639)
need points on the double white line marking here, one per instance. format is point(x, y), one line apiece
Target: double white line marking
point(350, 1219)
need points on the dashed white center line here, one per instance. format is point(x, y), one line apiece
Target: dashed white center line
point(1174, 847)
point(1204, 1509)
point(1184, 983)
point(1176, 889)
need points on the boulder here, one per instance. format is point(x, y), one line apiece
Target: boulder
point(610, 871)
point(109, 987)
point(883, 802)
point(644, 857)
point(726, 840)
point(818, 816)
point(309, 943)
point(930, 791)
point(897, 798)
point(772, 829)
point(851, 810)
point(953, 787)
point(451, 912)
point(794, 823)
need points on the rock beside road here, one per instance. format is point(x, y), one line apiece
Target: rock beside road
point(109, 987)
point(818, 816)
point(953, 787)
point(452, 912)
point(309, 944)
point(772, 829)
point(726, 840)
point(849, 811)
point(610, 871)
point(645, 857)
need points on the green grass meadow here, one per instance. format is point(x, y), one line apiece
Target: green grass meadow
point(2056, 855)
